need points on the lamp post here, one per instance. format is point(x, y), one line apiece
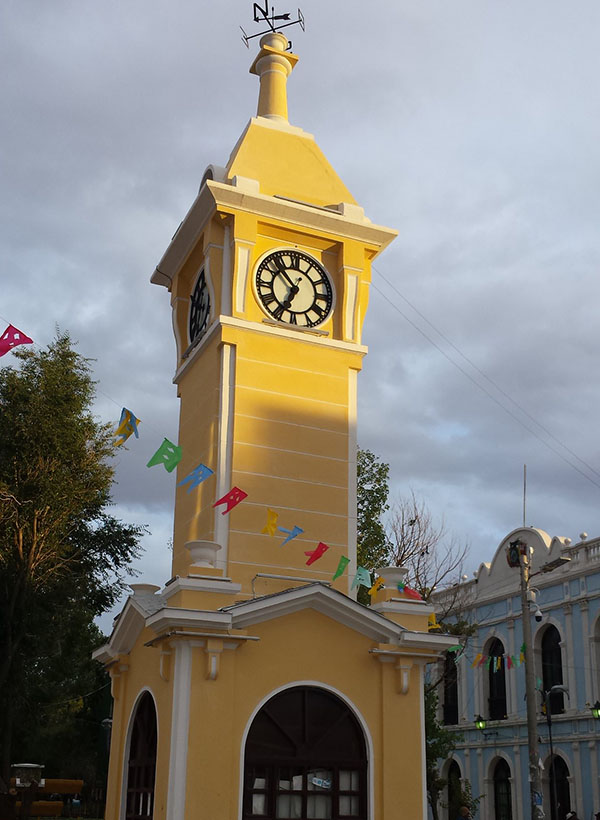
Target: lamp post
point(519, 554)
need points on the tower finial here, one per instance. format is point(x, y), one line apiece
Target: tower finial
point(273, 65)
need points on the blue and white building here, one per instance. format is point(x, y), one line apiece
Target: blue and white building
point(487, 680)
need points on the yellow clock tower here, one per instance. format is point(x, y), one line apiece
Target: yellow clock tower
point(253, 684)
point(269, 278)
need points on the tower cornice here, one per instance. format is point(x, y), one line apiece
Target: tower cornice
point(340, 221)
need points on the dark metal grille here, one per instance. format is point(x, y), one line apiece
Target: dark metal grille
point(141, 770)
point(450, 690)
point(199, 308)
point(497, 681)
point(552, 668)
point(305, 758)
point(502, 793)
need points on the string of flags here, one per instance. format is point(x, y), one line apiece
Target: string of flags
point(495, 662)
point(170, 454)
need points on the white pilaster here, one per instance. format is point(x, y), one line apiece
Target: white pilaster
point(180, 721)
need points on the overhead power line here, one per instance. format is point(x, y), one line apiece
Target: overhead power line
point(488, 379)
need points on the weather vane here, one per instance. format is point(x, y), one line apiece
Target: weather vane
point(274, 21)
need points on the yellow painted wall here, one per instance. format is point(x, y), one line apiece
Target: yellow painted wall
point(142, 673)
point(303, 646)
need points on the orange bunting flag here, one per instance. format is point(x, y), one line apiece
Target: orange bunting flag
point(379, 584)
point(477, 660)
point(231, 499)
point(270, 527)
point(11, 338)
point(318, 552)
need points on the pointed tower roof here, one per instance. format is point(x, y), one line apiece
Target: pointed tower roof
point(283, 159)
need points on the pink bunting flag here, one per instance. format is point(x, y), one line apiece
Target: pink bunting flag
point(318, 552)
point(11, 338)
point(508, 661)
point(231, 499)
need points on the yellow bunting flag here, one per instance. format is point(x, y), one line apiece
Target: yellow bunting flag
point(476, 661)
point(127, 426)
point(432, 623)
point(270, 527)
point(379, 583)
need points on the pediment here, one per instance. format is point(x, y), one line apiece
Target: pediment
point(323, 599)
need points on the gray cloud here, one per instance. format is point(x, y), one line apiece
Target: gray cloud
point(471, 127)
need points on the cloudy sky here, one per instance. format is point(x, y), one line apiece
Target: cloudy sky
point(471, 126)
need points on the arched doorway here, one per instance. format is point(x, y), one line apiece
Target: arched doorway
point(141, 768)
point(305, 758)
point(559, 791)
point(454, 790)
point(502, 791)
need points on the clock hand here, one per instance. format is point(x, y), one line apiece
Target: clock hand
point(279, 264)
point(293, 291)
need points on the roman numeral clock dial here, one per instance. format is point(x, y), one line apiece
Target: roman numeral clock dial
point(294, 288)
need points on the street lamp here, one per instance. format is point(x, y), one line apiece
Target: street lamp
point(556, 688)
point(519, 555)
point(480, 723)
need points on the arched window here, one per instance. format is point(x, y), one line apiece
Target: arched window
point(454, 791)
point(502, 795)
point(560, 795)
point(496, 681)
point(305, 758)
point(552, 667)
point(141, 770)
point(450, 690)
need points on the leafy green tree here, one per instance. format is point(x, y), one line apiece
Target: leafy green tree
point(63, 558)
point(439, 743)
point(372, 491)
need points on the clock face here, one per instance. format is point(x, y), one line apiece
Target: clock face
point(199, 308)
point(294, 288)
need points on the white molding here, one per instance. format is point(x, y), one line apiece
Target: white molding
point(226, 273)
point(225, 447)
point(299, 335)
point(180, 721)
point(307, 336)
point(351, 308)
point(421, 699)
point(352, 469)
point(179, 618)
point(404, 608)
point(353, 708)
point(205, 584)
point(328, 602)
point(242, 271)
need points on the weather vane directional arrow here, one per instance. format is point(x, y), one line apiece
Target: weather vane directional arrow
point(274, 21)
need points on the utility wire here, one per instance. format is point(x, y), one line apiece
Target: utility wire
point(486, 377)
point(481, 387)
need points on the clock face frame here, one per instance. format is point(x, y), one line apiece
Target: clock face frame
point(293, 288)
point(199, 308)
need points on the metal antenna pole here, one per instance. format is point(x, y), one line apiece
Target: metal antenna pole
point(524, 493)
